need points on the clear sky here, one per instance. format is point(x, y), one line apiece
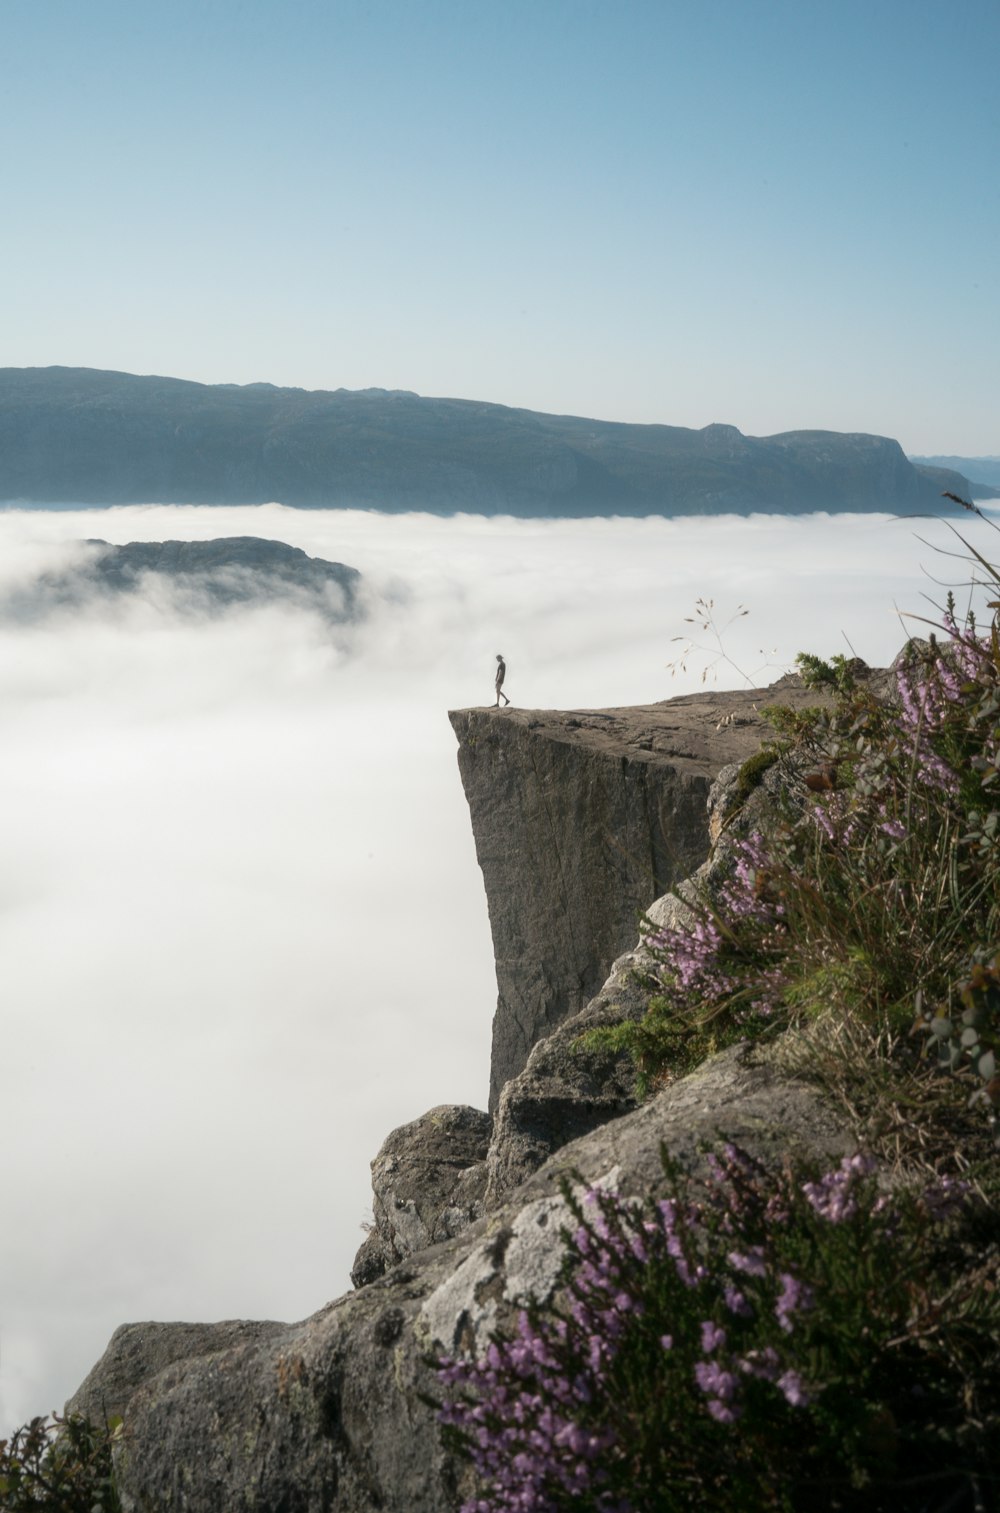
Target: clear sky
point(773, 213)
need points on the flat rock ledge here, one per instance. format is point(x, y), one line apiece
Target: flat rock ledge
point(327, 1415)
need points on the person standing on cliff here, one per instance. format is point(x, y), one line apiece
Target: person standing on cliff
point(501, 674)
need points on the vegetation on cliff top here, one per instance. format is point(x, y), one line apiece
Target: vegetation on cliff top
point(801, 1340)
point(873, 898)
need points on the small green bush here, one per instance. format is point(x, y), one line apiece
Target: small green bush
point(59, 1465)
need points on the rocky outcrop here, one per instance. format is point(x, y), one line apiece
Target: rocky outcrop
point(428, 1182)
point(327, 1416)
point(330, 1415)
point(199, 576)
point(581, 818)
point(567, 1088)
point(137, 1352)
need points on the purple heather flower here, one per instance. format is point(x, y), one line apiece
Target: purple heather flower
point(945, 1197)
point(715, 1381)
point(722, 1412)
point(761, 1363)
point(794, 1389)
point(711, 1336)
point(796, 1297)
point(833, 1196)
point(751, 1262)
point(736, 1301)
point(821, 816)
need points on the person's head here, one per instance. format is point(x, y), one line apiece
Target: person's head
point(499, 656)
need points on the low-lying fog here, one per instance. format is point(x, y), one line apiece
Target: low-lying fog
point(243, 930)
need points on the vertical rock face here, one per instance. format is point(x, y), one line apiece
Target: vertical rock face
point(581, 819)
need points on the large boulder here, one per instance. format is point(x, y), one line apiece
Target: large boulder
point(138, 1351)
point(328, 1415)
point(428, 1181)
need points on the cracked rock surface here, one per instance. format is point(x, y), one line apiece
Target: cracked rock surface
point(428, 1181)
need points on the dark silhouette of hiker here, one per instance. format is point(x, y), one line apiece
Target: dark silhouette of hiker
point(501, 674)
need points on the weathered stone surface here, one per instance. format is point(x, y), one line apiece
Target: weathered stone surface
point(325, 1416)
point(427, 1185)
point(139, 1351)
point(566, 1089)
point(581, 818)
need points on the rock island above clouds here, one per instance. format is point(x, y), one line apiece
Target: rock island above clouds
point(204, 577)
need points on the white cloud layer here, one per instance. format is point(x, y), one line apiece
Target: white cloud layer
point(242, 929)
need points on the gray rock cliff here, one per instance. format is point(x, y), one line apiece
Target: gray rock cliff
point(581, 819)
point(328, 1415)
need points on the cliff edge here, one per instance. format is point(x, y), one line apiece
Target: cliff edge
point(581, 819)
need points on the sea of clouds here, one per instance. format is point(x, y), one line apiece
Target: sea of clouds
point(242, 928)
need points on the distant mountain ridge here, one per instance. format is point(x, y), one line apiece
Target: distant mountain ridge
point(983, 471)
point(86, 436)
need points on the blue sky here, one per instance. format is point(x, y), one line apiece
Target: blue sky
point(777, 215)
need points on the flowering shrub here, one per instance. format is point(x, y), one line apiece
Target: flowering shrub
point(755, 1342)
point(797, 1341)
point(721, 973)
point(882, 886)
point(62, 1465)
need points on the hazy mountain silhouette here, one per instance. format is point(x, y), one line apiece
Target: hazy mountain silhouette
point(84, 436)
point(200, 576)
point(983, 471)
